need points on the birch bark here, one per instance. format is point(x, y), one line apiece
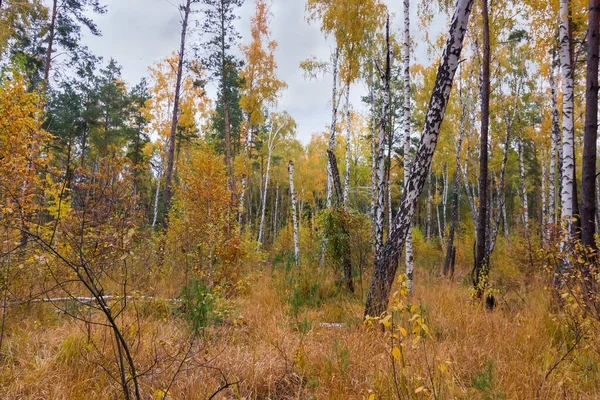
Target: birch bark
point(294, 218)
point(524, 203)
point(272, 142)
point(407, 116)
point(554, 148)
point(385, 80)
point(348, 133)
point(333, 122)
point(387, 260)
point(568, 163)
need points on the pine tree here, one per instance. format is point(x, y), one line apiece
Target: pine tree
point(220, 35)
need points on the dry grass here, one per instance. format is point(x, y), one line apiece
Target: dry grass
point(269, 349)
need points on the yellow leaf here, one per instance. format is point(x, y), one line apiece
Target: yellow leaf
point(396, 352)
point(402, 331)
point(386, 321)
point(372, 396)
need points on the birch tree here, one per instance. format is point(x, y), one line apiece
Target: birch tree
point(450, 248)
point(524, 203)
point(385, 76)
point(568, 160)
point(555, 145)
point(348, 133)
point(332, 129)
point(387, 260)
point(282, 126)
point(349, 22)
point(407, 114)
point(294, 217)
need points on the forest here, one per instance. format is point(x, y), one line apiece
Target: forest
point(182, 237)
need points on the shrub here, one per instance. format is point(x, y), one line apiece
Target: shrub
point(200, 306)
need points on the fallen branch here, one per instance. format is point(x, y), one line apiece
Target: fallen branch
point(86, 300)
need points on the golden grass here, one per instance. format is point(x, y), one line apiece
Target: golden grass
point(271, 351)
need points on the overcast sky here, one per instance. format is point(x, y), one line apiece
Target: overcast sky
point(138, 33)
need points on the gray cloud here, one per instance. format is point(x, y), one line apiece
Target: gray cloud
point(138, 33)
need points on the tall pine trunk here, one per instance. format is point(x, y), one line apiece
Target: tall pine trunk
point(175, 117)
point(588, 179)
point(51, 35)
point(481, 260)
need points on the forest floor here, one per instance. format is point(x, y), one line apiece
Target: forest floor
point(296, 335)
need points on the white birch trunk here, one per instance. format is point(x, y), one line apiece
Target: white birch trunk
point(407, 116)
point(271, 144)
point(428, 222)
point(156, 195)
point(333, 124)
point(501, 200)
point(248, 138)
point(524, 204)
point(241, 204)
point(445, 199)
point(501, 196)
point(437, 213)
point(264, 202)
point(301, 207)
point(389, 203)
point(373, 172)
point(381, 179)
point(504, 217)
point(249, 209)
point(470, 197)
point(294, 218)
point(275, 212)
point(544, 205)
point(348, 133)
point(568, 162)
point(554, 148)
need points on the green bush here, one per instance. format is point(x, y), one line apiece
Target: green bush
point(200, 306)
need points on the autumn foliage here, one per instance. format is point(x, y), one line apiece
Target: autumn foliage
point(252, 280)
